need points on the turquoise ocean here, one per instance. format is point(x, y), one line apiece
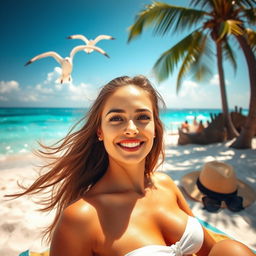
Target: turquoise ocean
point(21, 128)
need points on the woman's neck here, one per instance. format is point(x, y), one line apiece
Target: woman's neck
point(121, 177)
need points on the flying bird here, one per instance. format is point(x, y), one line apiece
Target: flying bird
point(91, 42)
point(66, 63)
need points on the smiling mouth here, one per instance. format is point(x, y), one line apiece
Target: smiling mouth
point(130, 146)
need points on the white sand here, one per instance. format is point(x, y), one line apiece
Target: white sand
point(20, 221)
point(181, 160)
point(21, 224)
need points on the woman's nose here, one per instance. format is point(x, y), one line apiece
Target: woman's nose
point(131, 129)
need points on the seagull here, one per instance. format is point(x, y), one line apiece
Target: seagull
point(66, 63)
point(91, 42)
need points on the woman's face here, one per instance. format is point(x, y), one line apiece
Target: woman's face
point(127, 126)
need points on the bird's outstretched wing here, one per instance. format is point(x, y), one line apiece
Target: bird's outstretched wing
point(82, 47)
point(101, 37)
point(98, 49)
point(81, 37)
point(55, 55)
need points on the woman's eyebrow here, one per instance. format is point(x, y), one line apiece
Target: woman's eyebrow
point(115, 110)
point(142, 110)
point(118, 110)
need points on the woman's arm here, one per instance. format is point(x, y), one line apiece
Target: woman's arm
point(72, 236)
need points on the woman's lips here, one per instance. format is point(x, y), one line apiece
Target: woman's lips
point(130, 145)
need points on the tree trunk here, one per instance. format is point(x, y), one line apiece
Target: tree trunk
point(231, 130)
point(248, 131)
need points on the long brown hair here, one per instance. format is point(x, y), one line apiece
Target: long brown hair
point(79, 160)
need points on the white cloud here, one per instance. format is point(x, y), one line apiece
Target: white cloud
point(30, 98)
point(73, 92)
point(200, 95)
point(58, 87)
point(53, 76)
point(42, 89)
point(215, 80)
point(194, 94)
point(189, 88)
point(189, 83)
point(191, 94)
point(8, 86)
point(48, 93)
point(82, 91)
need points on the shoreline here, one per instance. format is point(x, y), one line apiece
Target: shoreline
point(21, 224)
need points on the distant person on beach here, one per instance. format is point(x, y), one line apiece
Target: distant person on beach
point(109, 198)
point(195, 123)
point(200, 127)
point(185, 126)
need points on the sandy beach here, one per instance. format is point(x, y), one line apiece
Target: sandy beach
point(21, 224)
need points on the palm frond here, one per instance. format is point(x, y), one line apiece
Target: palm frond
point(228, 27)
point(203, 72)
point(202, 3)
point(247, 3)
point(229, 54)
point(194, 63)
point(189, 50)
point(167, 62)
point(164, 17)
point(251, 38)
point(201, 69)
point(221, 7)
point(250, 15)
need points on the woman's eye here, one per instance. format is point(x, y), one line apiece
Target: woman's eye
point(116, 119)
point(143, 117)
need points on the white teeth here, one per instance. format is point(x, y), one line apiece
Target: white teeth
point(130, 145)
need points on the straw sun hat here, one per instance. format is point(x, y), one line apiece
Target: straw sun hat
point(217, 177)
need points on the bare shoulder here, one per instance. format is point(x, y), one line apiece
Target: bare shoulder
point(74, 233)
point(163, 180)
point(79, 211)
point(79, 214)
point(166, 182)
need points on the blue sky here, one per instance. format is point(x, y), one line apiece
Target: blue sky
point(31, 27)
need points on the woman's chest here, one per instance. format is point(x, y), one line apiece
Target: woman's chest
point(123, 229)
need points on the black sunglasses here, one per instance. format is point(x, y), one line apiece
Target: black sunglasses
point(212, 200)
point(234, 203)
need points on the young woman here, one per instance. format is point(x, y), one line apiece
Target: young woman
point(109, 200)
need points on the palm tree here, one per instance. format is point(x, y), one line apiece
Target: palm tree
point(247, 41)
point(215, 22)
point(242, 12)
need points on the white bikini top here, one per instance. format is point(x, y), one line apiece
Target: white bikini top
point(190, 242)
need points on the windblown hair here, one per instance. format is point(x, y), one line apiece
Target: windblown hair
point(79, 160)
